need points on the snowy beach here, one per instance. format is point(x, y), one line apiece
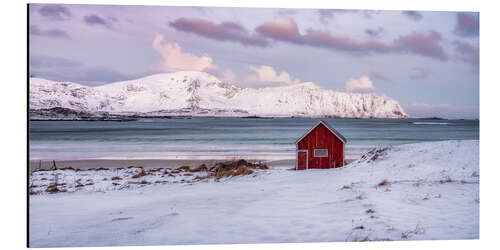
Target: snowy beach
point(152, 163)
point(421, 191)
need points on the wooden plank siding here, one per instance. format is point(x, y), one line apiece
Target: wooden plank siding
point(322, 138)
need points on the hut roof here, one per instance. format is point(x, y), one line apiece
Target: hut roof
point(335, 132)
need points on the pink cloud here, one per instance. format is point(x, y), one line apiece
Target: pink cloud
point(225, 31)
point(284, 31)
point(267, 74)
point(422, 43)
point(341, 42)
point(363, 83)
point(426, 44)
point(174, 59)
point(467, 24)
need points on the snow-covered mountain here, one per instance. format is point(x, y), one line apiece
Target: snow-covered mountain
point(201, 94)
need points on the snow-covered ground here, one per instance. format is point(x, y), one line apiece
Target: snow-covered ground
point(421, 191)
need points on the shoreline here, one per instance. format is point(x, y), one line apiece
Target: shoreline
point(86, 164)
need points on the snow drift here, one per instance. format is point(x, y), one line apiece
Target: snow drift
point(201, 94)
point(424, 191)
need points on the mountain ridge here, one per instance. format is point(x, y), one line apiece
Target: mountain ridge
point(201, 94)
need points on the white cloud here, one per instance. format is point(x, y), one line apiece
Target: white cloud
point(173, 59)
point(268, 74)
point(361, 84)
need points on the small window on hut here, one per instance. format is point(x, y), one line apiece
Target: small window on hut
point(320, 152)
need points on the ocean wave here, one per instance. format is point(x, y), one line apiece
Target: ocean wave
point(431, 123)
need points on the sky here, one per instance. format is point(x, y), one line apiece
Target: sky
point(426, 60)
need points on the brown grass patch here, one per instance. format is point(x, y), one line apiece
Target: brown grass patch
point(383, 183)
point(183, 168)
point(370, 211)
point(447, 180)
point(67, 168)
point(115, 178)
point(223, 169)
point(201, 168)
point(140, 174)
point(52, 189)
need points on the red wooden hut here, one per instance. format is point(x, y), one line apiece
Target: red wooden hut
point(320, 147)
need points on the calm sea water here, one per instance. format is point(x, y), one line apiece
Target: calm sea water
point(209, 138)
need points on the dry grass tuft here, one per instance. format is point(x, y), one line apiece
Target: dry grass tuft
point(383, 183)
point(408, 234)
point(373, 154)
point(201, 168)
point(115, 178)
point(34, 192)
point(370, 211)
point(447, 180)
point(140, 174)
point(227, 169)
point(67, 168)
point(52, 189)
point(183, 168)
